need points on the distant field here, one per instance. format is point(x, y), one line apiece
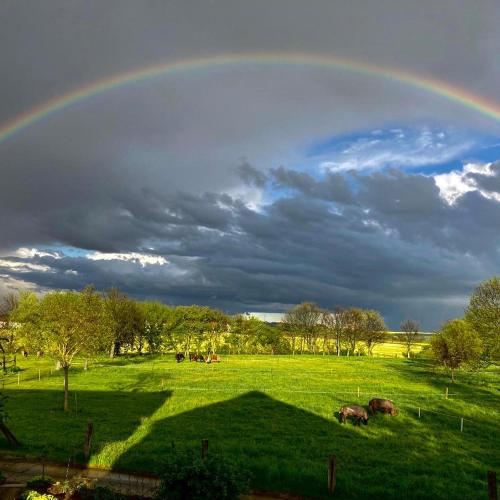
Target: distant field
point(276, 415)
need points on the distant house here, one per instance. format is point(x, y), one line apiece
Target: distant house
point(267, 317)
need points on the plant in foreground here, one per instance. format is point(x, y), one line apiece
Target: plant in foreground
point(212, 478)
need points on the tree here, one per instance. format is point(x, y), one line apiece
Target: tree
point(65, 324)
point(303, 320)
point(456, 344)
point(8, 339)
point(374, 329)
point(353, 327)
point(125, 320)
point(410, 329)
point(155, 317)
point(483, 313)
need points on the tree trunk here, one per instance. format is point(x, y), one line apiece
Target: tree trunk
point(112, 350)
point(9, 436)
point(452, 376)
point(66, 388)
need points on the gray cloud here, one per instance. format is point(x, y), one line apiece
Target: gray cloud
point(155, 167)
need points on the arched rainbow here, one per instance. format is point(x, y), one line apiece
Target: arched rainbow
point(438, 87)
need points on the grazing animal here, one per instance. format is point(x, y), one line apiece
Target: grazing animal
point(180, 357)
point(24, 353)
point(193, 357)
point(354, 411)
point(201, 359)
point(384, 405)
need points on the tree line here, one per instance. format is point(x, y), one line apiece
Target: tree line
point(67, 324)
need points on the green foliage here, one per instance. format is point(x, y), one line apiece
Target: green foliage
point(456, 344)
point(39, 483)
point(214, 478)
point(483, 313)
point(34, 495)
point(99, 493)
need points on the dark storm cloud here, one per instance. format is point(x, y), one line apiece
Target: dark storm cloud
point(383, 248)
point(150, 167)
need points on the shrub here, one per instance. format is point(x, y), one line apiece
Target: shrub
point(39, 483)
point(99, 493)
point(213, 478)
point(34, 495)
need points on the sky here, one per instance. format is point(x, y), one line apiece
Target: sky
point(253, 186)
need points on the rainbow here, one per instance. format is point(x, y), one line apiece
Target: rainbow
point(429, 84)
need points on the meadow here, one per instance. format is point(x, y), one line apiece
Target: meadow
point(274, 414)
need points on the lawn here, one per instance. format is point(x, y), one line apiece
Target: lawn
point(276, 415)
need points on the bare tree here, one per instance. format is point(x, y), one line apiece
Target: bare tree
point(410, 329)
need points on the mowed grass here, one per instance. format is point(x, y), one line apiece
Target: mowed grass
point(275, 414)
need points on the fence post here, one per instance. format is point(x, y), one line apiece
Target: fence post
point(446, 393)
point(419, 412)
point(358, 392)
point(462, 424)
point(332, 473)
point(17, 378)
point(492, 485)
point(88, 438)
point(39, 376)
point(204, 448)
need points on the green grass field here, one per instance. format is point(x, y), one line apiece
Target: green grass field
point(276, 415)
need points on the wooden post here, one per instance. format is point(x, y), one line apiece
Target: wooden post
point(462, 424)
point(492, 485)
point(88, 439)
point(204, 448)
point(358, 392)
point(446, 393)
point(18, 378)
point(332, 473)
point(39, 375)
point(419, 412)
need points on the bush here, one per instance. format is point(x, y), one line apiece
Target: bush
point(39, 483)
point(213, 478)
point(99, 493)
point(34, 495)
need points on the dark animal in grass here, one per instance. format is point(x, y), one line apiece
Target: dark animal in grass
point(383, 405)
point(201, 359)
point(353, 411)
point(180, 357)
point(193, 357)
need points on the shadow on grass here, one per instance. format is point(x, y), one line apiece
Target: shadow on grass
point(37, 420)
point(287, 448)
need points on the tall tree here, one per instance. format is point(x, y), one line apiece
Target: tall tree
point(304, 320)
point(410, 329)
point(374, 329)
point(353, 327)
point(483, 313)
point(456, 344)
point(125, 320)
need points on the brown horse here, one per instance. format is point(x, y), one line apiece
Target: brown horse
point(384, 405)
point(355, 411)
point(179, 357)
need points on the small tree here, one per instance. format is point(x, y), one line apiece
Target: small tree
point(456, 344)
point(303, 320)
point(64, 324)
point(374, 330)
point(410, 329)
point(483, 314)
point(353, 327)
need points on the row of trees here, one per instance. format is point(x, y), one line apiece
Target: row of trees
point(86, 323)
